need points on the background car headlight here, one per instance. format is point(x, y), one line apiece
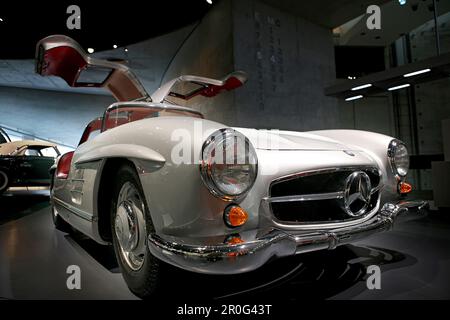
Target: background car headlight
point(399, 158)
point(229, 164)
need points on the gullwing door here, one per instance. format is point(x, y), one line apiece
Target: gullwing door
point(63, 57)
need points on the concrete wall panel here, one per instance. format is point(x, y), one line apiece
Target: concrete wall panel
point(289, 61)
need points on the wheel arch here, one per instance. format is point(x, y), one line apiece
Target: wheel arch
point(106, 178)
point(8, 178)
point(105, 188)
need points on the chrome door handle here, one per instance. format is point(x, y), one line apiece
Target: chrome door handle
point(25, 165)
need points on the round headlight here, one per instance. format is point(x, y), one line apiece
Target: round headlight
point(229, 164)
point(399, 158)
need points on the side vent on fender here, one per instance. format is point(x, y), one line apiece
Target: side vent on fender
point(63, 168)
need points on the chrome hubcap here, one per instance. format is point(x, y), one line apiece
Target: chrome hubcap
point(129, 226)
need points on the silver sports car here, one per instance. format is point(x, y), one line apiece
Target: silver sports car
point(166, 186)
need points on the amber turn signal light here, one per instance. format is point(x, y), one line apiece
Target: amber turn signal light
point(404, 188)
point(234, 240)
point(234, 216)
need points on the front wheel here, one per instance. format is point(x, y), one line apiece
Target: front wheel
point(130, 225)
point(4, 181)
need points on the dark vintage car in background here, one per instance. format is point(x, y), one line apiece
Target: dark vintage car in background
point(26, 163)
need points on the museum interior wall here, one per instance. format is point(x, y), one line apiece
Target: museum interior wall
point(432, 99)
point(208, 51)
point(239, 36)
point(49, 115)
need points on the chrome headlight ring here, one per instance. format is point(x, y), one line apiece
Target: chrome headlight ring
point(398, 158)
point(232, 175)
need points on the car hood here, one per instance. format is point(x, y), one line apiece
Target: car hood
point(290, 140)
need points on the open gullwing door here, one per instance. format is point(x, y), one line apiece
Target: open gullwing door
point(63, 57)
point(187, 87)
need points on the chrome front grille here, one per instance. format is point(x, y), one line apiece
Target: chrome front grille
point(319, 197)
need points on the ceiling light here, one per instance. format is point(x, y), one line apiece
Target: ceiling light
point(90, 50)
point(362, 87)
point(399, 87)
point(402, 2)
point(354, 98)
point(416, 73)
point(115, 46)
point(209, 1)
point(126, 50)
point(1, 20)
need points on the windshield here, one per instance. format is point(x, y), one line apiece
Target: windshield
point(129, 113)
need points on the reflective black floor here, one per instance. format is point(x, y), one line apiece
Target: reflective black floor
point(414, 259)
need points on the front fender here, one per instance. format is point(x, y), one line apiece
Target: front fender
point(126, 151)
point(176, 196)
point(375, 145)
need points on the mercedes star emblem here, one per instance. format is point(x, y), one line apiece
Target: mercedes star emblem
point(357, 194)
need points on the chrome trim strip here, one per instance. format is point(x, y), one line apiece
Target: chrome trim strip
point(323, 171)
point(377, 188)
point(323, 225)
point(79, 213)
point(306, 197)
point(146, 104)
point(326, 225)
point(315, 197)
point(320, 196)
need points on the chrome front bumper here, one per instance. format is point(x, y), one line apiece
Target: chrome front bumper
point(275, 243)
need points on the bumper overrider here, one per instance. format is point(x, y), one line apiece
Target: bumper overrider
point(276, 243)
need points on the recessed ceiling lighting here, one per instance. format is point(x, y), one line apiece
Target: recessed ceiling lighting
point(90, 50)
point(416, 73)
point(115, 46)
point(126, 49)
point(402, 2)
point(399, 87)
point(209, 1)
point(1, 20)
point(364, 86)
point(354, 98)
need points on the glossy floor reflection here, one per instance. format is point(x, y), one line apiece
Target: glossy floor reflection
point(414, 259)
